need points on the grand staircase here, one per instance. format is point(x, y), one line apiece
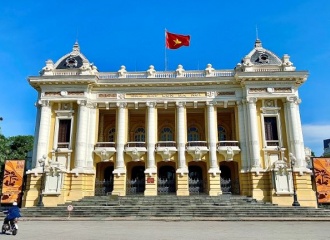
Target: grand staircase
point(224, 207)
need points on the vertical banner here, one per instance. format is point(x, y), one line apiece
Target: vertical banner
point(321, 168)
point(12, 181)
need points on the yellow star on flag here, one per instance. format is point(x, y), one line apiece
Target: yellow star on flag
point(177, 41)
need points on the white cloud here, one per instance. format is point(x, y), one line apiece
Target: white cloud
point(314, 135)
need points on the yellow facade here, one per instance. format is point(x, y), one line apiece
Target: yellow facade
point(207, 132)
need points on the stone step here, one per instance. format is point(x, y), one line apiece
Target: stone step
point(229, 206)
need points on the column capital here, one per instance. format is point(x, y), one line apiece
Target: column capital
point(43, 103)
point(251, 100)
point(121, 104)
point(82, 102)
point(151, 104)
point(211, 103)
point(180, 104)
point(293, 99)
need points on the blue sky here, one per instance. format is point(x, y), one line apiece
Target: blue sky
point(131, 33)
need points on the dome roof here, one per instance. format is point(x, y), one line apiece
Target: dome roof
point(261, 59)
point(262, 56)
point(74, 59)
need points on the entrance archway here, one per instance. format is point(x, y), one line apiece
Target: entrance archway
point(136, 185)
point(229, 178)
point(104, 179)
point(196, 182)
point(166, 180)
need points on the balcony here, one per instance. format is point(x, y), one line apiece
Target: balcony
point(63, 147)
point(135, 150)
point(228, 149)
point(166, 149)
point(197, 149)
point(105, 150)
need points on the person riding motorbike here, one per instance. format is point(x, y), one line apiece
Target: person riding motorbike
point(12, 213)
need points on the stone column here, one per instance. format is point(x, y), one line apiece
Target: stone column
point(214, 171)
point(242, 127)
point(121, 139)
point(212, 135)
point(182, 171)
point(42, 132)
point(81, 137)
point(151, 138)
point(295, 137)
point(91, 138)
point(253, 132)
point(181, 138)
point(101, 128)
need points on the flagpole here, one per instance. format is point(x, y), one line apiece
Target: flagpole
point(165, 53)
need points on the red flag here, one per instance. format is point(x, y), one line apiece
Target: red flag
point(174, 41)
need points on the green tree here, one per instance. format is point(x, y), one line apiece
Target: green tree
point(3, 148)
point(19, 146)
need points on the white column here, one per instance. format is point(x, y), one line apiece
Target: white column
point(91, 138)
point(212, 135)
point(151, 138)
point(120, 141)
point(242, 127)
point(181, 138)
point(101, 128)
point(295, 137)
point(254, 140)
point(81, 137)
point(42, 137)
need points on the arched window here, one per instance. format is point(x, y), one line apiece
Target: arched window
point(193, 134)
point(111, 135)
point(166, 134)
point(222, 135)
point(139, 134)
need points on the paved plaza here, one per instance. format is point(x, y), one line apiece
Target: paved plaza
point(165, 230)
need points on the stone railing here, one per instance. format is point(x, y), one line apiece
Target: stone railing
point(165, 74)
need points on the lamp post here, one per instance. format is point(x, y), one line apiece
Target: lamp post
point(295, 199)
point(42, 162)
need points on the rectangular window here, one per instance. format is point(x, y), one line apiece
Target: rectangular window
point(64, 133)
point(271, 133)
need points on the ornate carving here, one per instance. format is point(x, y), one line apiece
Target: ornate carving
point(121, 104)
point(76, 93)
point(151, 104)
point(48, 94)
point(82, 102)
point(252, 100)
point(180, 104)
point(107, 95)
point(257, 90)
point(283, 90)
point(209, 70)
point(226, 93)
point(43, 103)
point(122, 72)
point(179, 71)
point(151, 71)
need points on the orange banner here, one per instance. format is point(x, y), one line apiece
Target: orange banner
point(12, 181)
point(322, 179)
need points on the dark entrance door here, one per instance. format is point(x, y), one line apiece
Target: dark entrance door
point(166, 180)
point(225, 179)
point(136, 184)
point(105, 186)
point(196, 184)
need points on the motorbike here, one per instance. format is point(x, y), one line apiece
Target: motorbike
point(10, 226)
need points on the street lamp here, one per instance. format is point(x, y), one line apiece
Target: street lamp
point(295, 199)
point(42, 162)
